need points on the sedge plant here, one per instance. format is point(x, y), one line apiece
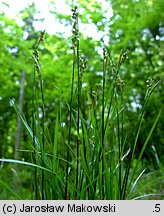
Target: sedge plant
point(96, 164)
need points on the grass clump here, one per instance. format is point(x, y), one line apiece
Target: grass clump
point(93, 160)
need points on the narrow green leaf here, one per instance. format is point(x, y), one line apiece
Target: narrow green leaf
point(9, 189)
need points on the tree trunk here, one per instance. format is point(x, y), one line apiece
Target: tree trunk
point(20, 108)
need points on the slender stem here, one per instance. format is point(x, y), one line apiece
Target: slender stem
point(78, 113)
point(121, 145)
point(38, 70)
point(105, 62)
point(119, 148)
point(70, 123)
point(33, 130)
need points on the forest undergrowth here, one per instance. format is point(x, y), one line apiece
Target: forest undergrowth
point(87, 156)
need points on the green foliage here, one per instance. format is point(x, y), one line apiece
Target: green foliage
point(91, 114)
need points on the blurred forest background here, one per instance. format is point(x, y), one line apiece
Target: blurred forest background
point(134, 26)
